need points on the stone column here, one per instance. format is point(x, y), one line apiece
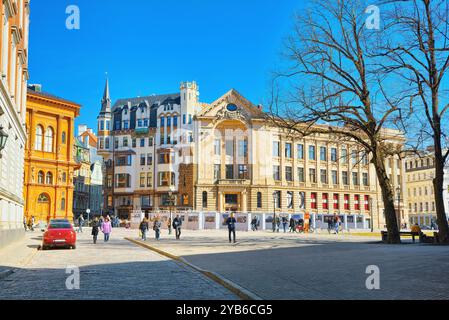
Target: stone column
point(244, 202)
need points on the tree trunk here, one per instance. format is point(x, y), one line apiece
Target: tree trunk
point(388, 200)
point(438, 189)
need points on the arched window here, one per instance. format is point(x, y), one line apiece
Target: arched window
point(49, 178)
point(38, 141)
point(43, 198)
point(106, 143)
point(48, 144)
point(204, 199)
point(40, 177)
point(63, 138)
point(259, 199)
point(63, 204)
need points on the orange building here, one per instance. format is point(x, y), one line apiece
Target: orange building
point(49, 161)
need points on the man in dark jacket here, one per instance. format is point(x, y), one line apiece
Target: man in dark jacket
point(144, 227)
point(177, 223)
point(231, 226)
point(95, 228)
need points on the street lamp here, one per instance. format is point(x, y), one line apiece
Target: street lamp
point(274, 210)
point(398, 191)
point(171, 199)
point(3, 138)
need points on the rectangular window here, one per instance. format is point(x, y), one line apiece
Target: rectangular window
point(334, 177)
point(134, 143)
point(142, 159)
point(312, 153)
point(356, 202)
point(142, 142)
point(300, 150)
point(116, 143)
point(290, 200)
point(346, 201)
point(344, 178)
point(145, 201)
point(277, 173)
point(325, 201)
point(149, 179)
point(323, 175)
point(139, 123)
point(229, 171)
point(366, 202)
point(301, 174)
point(150, 141)
point(142, 180)
point(243, 148)
point(312, 175)
point(355, 178)
point(313, 200)
point(277, 199)
point(288, 150)
point(122, 180)
point(344, 155)
point(243, 171)
point(334, 154)
point(230, 148)
point(365, 179)
point(126, 124)
point(354, 157)
point(336, 202)
point(276, 149)
point(149, 159)
point(289, 173)
point(323, 154)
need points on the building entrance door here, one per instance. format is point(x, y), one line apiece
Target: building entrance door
point(232, 202)
point(42, 208)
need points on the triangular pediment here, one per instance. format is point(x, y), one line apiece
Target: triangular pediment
point(231, 104)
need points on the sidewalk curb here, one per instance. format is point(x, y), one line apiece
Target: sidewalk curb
point(6, 273)
point(242, 293)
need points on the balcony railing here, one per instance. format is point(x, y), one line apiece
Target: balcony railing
point(233, 182)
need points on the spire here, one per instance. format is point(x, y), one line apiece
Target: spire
point(106, 101)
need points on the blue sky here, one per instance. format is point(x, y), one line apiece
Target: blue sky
point(150, 46)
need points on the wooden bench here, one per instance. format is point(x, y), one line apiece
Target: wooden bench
point(402, 233)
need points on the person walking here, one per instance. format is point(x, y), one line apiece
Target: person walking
point(254, 224)
point(169, 222)
point(80, 223)
point(284, 224)
point(25, 223)
point(157, 228)
point(329, 225)
point(31, 223)
point(177, 224)
point(106, 228)
point(95, 229)
point(336, 224)
point(292, 225)
point(231, 226)
point(144, 227)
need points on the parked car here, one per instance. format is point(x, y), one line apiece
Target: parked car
point(60, 233)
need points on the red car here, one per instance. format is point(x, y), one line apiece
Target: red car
point(60, 233)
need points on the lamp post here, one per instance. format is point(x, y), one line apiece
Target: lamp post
point(274, 211)
point(171, 199)
point(3, 138)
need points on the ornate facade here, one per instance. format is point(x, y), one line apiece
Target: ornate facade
point(49, 157)
point(225, 156)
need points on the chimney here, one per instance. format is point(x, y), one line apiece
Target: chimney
point(81, 129)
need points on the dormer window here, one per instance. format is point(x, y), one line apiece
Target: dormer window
point(139, 122)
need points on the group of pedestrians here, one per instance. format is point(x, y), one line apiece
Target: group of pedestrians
point(144, 227)
point(104, 225)
point(334, 223)
point(29, 225)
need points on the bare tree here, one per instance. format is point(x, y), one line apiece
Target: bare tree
point(334, 88)
point(419, 55)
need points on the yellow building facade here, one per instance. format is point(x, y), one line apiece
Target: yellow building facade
point(49, 159)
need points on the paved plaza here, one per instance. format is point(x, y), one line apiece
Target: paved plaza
point(116, 270)
point(292, 266)
point(270, 266)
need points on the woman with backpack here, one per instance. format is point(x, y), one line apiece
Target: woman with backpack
point(144, 228)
